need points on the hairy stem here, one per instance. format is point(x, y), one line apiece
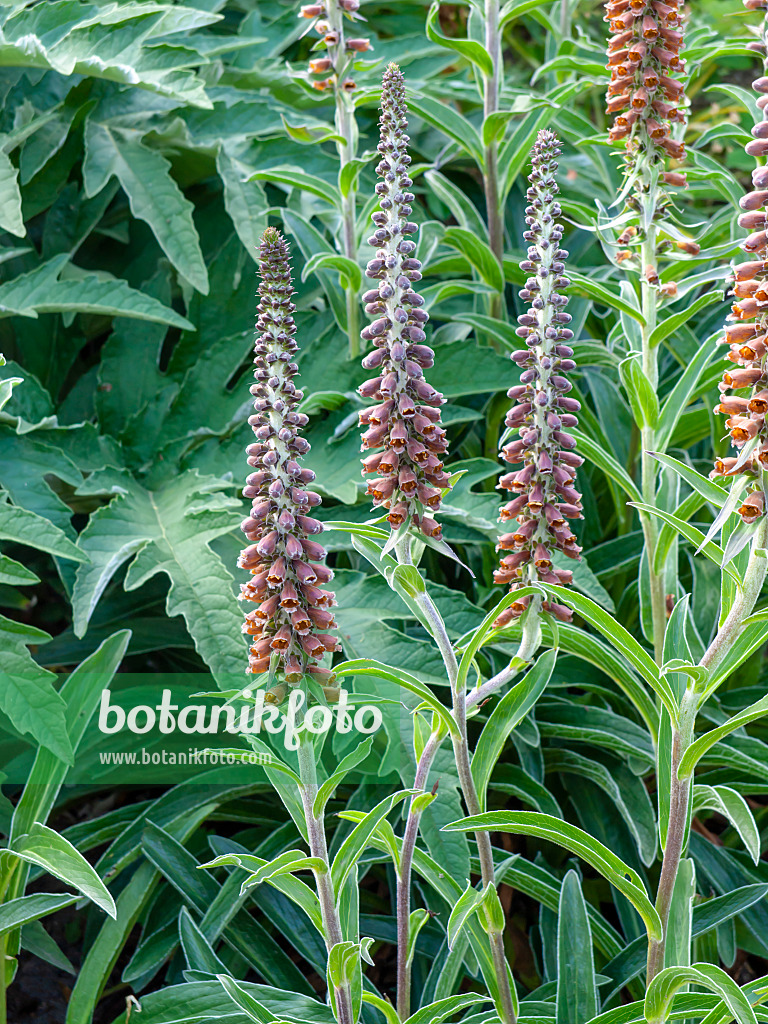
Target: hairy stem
point(404, 878)
point(680, 792)
point(319, 849)
point(648, 463)
point(677, 832)
point(3, 1003)
point(745, 601)
point(461, 754)
point(491, 89)
point(346, 127)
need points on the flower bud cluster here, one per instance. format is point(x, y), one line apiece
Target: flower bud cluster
point(643, 58)
point(744, 387)
point(293, 617)
point(331, 71)
point(545, 496)
point(403, 428)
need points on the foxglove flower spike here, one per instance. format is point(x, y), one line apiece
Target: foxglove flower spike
point(545, 497)
point(746, 329)
point(403, 427)
point(292, 620)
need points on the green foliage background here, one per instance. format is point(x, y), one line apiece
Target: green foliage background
point(128, 136)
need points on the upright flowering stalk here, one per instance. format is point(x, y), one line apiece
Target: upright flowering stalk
point(746, 334)
point(289, 626)
point(744, 388)
point(408, 446)
point(643, 56)
point(545, 495)
point(291, 622)
point(648, 102)
point(404, 431)
point(332, 71)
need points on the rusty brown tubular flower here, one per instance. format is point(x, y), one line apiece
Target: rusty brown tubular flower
point(403, 428)
point(644, 94)
point(744, 387)
point(293, 620)
point(335, 67)
point(545, 497)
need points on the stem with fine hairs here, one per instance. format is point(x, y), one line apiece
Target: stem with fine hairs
point(682, 736)
point(506, 1008)
point(319, 849)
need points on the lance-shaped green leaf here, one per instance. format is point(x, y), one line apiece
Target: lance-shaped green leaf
point(604, 461)
point(16, 913)
point(562, 833)
point(467, 48)
point(353, 846)
point(676, 401)
point(349, 272)
point(576, 987)
point(508, 713)
point(45, 290)
point(734, 807)
point(477, 637)
point(590, 648)
point(169, 530)
point(296, 178)
point(467, 904)
point(631, 961)
point(708, 489)
point(707, 547)
point(245, 201)
point(479, 255)
point(442, 1009)
point(626, 791)
point(345, 766)
point(253, 1009)
point(641, 393)
point(622, 640)
point(56, 855)
point(198, 951)
point(674, 322)
point(296, 890)
point(661, 991)
point(460, 206)
point(449, 121)
point(285, 864)
point(699, 747)
point(368, 667)
point(154, 196)
point(602, 295)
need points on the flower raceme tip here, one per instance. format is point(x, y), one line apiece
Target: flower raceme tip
point(403, 432)
point(542, 412)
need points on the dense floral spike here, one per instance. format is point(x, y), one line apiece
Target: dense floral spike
point(332, 70)
point(744, 387)
point(405, 422)
point(643, 58)
point(293, 616)
point(542, 411)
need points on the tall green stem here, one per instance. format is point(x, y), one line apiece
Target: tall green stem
point(319, 849)
point(677, 831)
point(407, 849)
point(682, 736)
point(650, 295)
point(3, 1002)
point(506, 1006)
point(491, 91)
point(346, 128)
